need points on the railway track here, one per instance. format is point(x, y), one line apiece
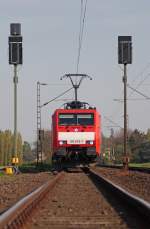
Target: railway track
point(77, 199)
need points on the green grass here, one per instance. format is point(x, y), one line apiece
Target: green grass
point(140, 165)
point(1, 174)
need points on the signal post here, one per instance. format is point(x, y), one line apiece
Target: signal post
point(125, 57)
point(15, 59)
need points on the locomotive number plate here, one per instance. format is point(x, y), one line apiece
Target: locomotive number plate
point(76, 141)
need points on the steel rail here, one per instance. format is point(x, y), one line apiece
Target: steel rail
point(140, 205)
point(16, 216)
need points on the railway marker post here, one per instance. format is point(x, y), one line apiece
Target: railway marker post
point(15, 58)
point(125, 57)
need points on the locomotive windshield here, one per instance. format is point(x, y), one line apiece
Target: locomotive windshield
point(76, 119)
point(85, 119)
point(67, 119)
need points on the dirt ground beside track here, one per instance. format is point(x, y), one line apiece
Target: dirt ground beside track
point(13, 187)
point(137, 183)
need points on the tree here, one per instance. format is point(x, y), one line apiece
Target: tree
point(47, 145)
point(1, 148)
point(136, 143)
point(19, 148)
point(148, 135)
point(28, 154)
point(8, 147)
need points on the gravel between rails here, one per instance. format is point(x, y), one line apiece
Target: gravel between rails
point(137, 183)
point(76, 203)
point(14, 187)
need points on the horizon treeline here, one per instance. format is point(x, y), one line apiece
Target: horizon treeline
point(138, 146)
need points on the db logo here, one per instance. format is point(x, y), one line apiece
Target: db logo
point(76, 130)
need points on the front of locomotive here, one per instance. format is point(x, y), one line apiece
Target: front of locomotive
point(77, 134)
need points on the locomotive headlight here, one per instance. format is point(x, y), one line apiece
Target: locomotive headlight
point(60, 142)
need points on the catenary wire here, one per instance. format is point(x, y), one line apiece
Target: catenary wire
point(63, 93)
point(139, 84)
point(119, 107)
point(79, 41)
point(111, 121)
point(140, 93)
point(82, 23)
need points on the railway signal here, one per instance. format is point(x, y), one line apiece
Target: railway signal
point(125, 57)
point(15, 58)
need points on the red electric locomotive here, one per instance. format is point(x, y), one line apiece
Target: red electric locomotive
point(76, 132)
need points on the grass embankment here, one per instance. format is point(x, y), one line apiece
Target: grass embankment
point(1, 174)
point(140, 165)
point(34, 168)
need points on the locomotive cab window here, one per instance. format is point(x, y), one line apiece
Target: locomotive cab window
point(76, 119)
point(67, 119)
point(85, 119)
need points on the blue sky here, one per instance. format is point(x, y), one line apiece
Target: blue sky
point(50, 41)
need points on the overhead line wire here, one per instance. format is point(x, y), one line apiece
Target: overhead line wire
point(111, 121)
point(79, 45)
point(134, 90)
point(141, 73)
point(140, 93)
point(82, 23)
point(63, 93)
point(139, 84)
